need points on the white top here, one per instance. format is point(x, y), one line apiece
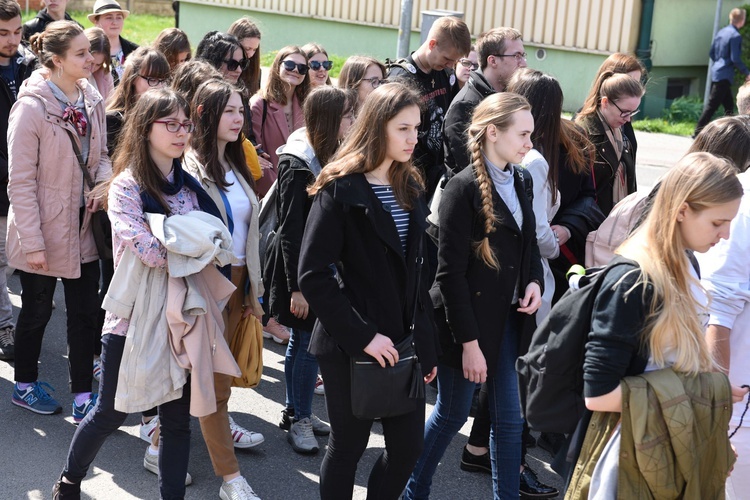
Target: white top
point(242, 211)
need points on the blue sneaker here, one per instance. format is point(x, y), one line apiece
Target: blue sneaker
point(80, 412)
point(36, 399)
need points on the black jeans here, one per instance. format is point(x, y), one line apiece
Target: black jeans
point(103, 420)
point(404, 439)
point(82, 304)
point(721, 95)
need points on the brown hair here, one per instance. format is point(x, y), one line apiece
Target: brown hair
point(311, 49)
point(99, 45)
point(145, 60)
point(243, 28)
point(54, 41)
point(354, 69)
point(193, 74)
point(324, 108)
point(172, 42)
point(212, 97)
point(451, 31)
point(613, 86)
point(492, 42)
point(365, 146)
point(727, 137)
point(275, 89)
point(619, 62)
point(133, 150)
point(498, 110)
point(9, 9)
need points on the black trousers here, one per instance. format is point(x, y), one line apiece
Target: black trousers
point(103, 420)
point(82, 304)
point(721, 95)
point(404, 440)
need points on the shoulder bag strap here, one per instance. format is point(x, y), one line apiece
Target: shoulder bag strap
point(81, 163)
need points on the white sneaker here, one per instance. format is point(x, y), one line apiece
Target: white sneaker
point(147, 430)
point(242, 437)
point(301, 437)
point(319, 387)
point(320, 428)
point(238, 490)
point(151, 464)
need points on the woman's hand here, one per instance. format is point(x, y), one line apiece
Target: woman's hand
point(473, 362)
point(381, 348)
point(531, 300)
point(562, 232)
point(37, 260)
point(93, 204)
point(299, 306)
point(739, 393)
point(431, 376)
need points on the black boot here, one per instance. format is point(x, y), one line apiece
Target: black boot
point(531, 487)
point(476, 463)
point(66, 491)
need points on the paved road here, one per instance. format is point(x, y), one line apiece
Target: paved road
point(33, 447)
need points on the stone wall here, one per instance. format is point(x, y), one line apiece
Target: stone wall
point(159, 7)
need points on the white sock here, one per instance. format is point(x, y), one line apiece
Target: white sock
point(234, 480)
point(152, 452)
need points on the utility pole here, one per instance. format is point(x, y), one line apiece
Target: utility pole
point(404, 30)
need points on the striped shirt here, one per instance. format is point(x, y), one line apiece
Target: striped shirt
point(400, 216)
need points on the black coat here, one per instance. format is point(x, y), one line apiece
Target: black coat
point(280, 269)
point(476, 298)
point(458, 118)
point(40, 22)
point(348, 225)
point(26, 64)
point(127, 48)
point(606, 161)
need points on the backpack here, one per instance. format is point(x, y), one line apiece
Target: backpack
point(268, 220)
point(550, 374)
point(621, 221)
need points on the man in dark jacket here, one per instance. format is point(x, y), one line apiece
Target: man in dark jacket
point(54, 10)
point(500, 53)
point(428, 68)
point(16, 64)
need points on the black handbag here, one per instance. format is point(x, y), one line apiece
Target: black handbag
point(379, 392)
point(100, 224)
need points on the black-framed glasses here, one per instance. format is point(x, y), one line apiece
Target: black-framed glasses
point(375, 82)
point(520, 56)
point(291, 65)
point(626, 114)
point(175, 126)
point(233, 64)
point(155, 82)
point(316, 65)
point(468, 63)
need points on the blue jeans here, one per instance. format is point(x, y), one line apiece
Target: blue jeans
point(301, 373)
point(103, 420)
point(452, 410)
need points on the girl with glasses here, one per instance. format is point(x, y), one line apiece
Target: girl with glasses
point(328, 118)
point(51, 206)
point(217, 159)
point(466, 65)
point(224, 52)
point(148, 178)
point(248, 34)
point(613, 101)
point(368, 217)
point(277, 108)
point(363, 74)
point(320, 65)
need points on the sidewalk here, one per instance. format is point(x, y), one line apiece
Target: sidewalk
point(656, 154)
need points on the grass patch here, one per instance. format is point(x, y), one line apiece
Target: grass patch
point(138, 28)
point(662, 126)
point(338, 61)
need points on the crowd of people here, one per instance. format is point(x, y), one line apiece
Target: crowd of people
point(433, 203)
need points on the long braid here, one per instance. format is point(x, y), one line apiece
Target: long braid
point(482, 248)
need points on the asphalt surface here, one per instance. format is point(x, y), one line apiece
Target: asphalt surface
point(33, 447)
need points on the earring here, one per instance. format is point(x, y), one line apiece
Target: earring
point(59, 72)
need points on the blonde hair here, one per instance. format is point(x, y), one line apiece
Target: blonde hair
point(737, 15)
point(702, 181)
point(497, 110)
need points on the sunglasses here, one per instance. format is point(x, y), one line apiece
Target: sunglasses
point(466, 63)
point(233, 64)
point(301, 68)
point(155, 82)
point(174, 127)
point(316, 65)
